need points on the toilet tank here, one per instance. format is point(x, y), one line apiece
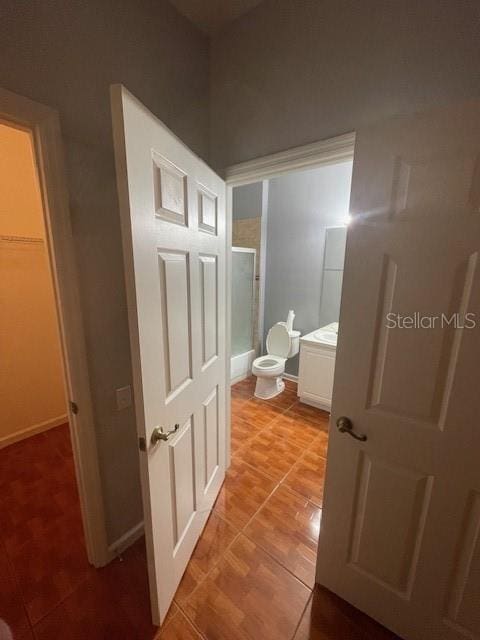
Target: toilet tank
point(294, 343)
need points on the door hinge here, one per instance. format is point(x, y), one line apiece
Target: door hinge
point(73, 407)
point(142, 444)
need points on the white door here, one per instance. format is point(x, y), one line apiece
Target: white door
point(173, 228)
point(400, 529)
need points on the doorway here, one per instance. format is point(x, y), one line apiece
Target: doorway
point(42, 533)
point(52, 520)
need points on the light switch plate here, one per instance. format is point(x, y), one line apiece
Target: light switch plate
point(124, 398)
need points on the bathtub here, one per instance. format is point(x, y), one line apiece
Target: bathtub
point(241, 366)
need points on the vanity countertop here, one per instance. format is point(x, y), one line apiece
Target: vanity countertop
point(324, 336)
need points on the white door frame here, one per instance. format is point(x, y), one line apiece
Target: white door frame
point(308, 156)
point(44, 126)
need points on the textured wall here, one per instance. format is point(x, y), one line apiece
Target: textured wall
point(65, 55)
point(292, 72)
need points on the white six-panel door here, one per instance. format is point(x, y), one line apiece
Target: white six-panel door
point(400, 529)
point(173, 228)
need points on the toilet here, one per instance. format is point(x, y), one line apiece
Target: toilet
point(269, 369)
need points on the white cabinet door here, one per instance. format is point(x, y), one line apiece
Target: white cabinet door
point(401, 520)
point(173, 228)
point(316, 372)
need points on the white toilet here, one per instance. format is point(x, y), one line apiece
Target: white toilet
point(269, 369)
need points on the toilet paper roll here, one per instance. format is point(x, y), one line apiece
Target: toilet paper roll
point(290, 319)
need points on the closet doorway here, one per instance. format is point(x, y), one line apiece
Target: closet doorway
point(51, 511)
point(41, 536)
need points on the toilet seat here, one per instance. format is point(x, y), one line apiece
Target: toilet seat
point(269, 365)
point(269, 369)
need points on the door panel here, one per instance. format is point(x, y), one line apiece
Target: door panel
point(386, 549)
point(173, 230)
point(463, 609)
point(170, 189)
point(182, 466)
point(399, 536)
point(210, 423)
point(208, 292)
point(175, 286)
point(207, 210)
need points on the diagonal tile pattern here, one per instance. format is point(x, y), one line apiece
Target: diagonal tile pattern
point(251, 574)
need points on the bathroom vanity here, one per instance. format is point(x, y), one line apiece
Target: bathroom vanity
point(317, 366)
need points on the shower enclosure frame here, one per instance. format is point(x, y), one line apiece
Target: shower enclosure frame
point(241, 364)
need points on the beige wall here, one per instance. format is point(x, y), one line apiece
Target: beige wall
point(32, 394)
point(20, 202)
point(66, 54)
point(292, 72)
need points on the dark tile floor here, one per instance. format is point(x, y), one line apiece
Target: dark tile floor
point(251, 575)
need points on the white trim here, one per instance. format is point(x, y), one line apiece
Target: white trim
point(244, 250)
point(263, 268)
point(44, 125)
point(330, 151)
point(291, 377)
point(324, 405)
point(127, 539)
point(21, 434)
point(228, 323)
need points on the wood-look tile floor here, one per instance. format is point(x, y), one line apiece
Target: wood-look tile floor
point(251, 576)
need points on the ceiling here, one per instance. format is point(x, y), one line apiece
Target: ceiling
point(212, 15)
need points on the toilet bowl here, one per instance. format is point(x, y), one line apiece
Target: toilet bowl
point(281, 345)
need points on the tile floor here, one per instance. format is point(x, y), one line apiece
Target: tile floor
point(251, 575)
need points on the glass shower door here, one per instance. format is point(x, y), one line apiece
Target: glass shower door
point(243, 288)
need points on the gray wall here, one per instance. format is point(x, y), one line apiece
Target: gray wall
point(292, 72)
point(300, 206)
point(247, 201)
point(66, 54)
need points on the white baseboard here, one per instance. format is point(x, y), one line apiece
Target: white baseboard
point(125, 541)
point(289, 376)
point(31, 431)
point(325, 405)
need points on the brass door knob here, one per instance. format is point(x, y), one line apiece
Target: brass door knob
point(159, 434)
point(345, 425)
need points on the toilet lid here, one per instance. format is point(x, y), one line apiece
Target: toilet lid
point(278, 341)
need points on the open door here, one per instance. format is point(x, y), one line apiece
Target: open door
point(400, 528)
point(173, 226)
